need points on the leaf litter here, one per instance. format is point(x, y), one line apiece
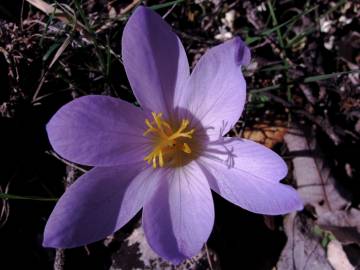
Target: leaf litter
point(314, 240)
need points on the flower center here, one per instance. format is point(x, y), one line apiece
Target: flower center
point(169, 144)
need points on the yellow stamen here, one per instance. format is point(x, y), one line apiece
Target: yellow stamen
point(161, 159)
point(166, 141)
point(186, 148)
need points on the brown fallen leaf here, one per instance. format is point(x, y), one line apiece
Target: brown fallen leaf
point(266, 134)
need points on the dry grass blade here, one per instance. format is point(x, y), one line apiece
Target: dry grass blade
point(60, 50)
point(66, 162)
point(58, 53)
point(62, 14)
point(133, 4)
point(5, 209)
point(43, 6)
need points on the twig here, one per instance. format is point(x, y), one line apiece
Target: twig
point(71, 175)
point(129, 7)
point(323, 185)
point(208, 257)
point(66, 162)
point(169, 11)
point(5, 210)
point(59, 261)
point(323, 123)
point(55, 58)
point(21, 15)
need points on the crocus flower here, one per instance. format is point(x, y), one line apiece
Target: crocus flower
point(166, 156)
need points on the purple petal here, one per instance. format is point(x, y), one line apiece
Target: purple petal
point(250, 182)
point(99, 131)
point(154, 59)
point(251, 157)
point(179, 216)
point(96, 205)
point(216, 90)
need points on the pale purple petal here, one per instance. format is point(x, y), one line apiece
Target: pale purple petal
point(179, 216)
point(99, 131)
point(154, 59)
point(252, 186)
point(249, 156)
point(96, 205)
point(216, 91)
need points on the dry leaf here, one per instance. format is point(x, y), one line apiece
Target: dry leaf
point(139, 255)
point(42, 5)
point(315, 183)
point(344, 225)
point(266, 134)
point(337, 257)
point(316, 186)
point(303, 250)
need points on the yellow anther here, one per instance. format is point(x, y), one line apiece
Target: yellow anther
point(186, 148)
point(154, 162)
point(166, 124)
point(147, 122)
point(161, 159)
point(157, 118)
point(166, 141)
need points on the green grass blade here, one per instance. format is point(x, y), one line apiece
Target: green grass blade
point(305, 80)
point(29, 198)
point(328, 76)
point(265, 89)
point(274, 68)
point(51, 49)
point(313, 28)
point(164, 5)
point(267, 32)
point(275, 23)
